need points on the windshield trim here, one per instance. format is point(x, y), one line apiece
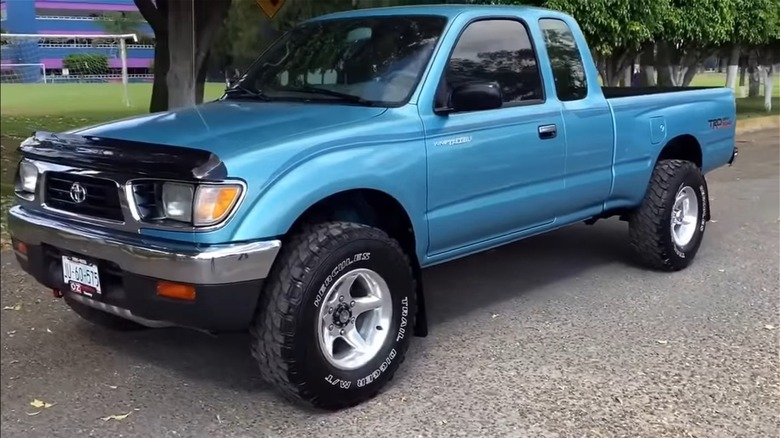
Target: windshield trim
point(378, 103)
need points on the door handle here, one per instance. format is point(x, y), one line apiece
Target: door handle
point(548, 131)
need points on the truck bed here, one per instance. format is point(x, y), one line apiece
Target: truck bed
point(618, 92)
point(648, 118)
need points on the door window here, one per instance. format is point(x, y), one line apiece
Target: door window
point(496, 50)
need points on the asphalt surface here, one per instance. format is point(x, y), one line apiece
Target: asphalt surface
point(556, 336)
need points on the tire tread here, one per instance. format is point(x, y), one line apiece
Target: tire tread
point(647, 222)
point(273, 330)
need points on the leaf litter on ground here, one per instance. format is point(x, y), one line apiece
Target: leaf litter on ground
point(40, 404)
point(117, 417)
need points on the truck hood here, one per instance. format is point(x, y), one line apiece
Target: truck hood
point(231, 128)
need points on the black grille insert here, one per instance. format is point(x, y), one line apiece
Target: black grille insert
point(100, 196)
point(148, 200)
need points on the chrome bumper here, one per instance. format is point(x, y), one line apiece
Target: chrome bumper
point(179, 262)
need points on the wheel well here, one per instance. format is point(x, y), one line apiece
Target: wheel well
point(684, 147)
point(368, 207)
point(380, 210)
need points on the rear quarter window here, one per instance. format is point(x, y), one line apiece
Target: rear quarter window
point(565, 60)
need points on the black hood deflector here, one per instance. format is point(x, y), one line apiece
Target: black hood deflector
point(124, 156)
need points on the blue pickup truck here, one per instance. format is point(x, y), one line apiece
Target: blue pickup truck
point(359, 148)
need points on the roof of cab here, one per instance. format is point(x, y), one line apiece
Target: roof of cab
point(447, 10)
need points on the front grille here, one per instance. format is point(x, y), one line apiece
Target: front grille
point(101, 197)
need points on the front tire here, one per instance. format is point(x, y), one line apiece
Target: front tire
point(665, 232)
point(335, 319)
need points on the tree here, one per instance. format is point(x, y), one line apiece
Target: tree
point(692, 31)
point(756, 24)
point(616, 31)
point(247, 31)
point(185, 31)
point(121, 23)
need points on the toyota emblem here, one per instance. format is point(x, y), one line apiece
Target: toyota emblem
point(78, 193)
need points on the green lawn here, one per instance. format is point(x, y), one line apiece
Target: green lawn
point(719, 80)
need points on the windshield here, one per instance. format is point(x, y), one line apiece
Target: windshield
point(374, 61)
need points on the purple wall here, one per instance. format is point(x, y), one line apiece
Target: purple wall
point(85, 6)
point(72, 32)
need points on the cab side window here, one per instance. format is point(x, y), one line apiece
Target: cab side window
point(495, 50)
point(565, 59)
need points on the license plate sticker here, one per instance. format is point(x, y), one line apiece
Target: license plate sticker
point(82, 276)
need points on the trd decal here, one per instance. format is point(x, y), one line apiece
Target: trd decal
point(721, 123)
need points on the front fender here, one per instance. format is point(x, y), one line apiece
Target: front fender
point(396, 169)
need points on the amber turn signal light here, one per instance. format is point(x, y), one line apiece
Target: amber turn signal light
point(178, 291)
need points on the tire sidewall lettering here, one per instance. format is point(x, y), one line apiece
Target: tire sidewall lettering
point(704, 207)
point(334, 274)
point(359, 379)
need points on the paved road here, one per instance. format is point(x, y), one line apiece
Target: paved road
point(557, 336)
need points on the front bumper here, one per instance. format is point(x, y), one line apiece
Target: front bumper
point(227, 278)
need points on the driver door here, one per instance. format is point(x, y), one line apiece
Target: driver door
point(496, 173)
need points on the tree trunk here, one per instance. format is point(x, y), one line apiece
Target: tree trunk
point(628, 76)
point(663, 64)
point(159, 101)
point(689, 75)
point(155, 12)
point(192, 28)
point(647, 66)
point(768, 87)
point(200, 86)
point(733, 67)
point(754, 74)
point(181, 73)
point(613, 69)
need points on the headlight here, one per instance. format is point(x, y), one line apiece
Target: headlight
point(201, 205)
point(28, 177)
point(177, 201)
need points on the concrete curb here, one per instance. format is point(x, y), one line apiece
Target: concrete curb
point(757, 124)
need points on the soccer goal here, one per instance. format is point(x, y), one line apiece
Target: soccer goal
point(10, 72)
point(68, 59)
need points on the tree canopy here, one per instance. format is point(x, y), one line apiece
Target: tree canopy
point(672, 37)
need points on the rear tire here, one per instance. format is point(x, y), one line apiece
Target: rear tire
point(101, 318)
point(665, 232)
point(304, 335)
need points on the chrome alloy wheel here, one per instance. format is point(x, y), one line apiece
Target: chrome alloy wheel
point(685, 215)
point(354, 319)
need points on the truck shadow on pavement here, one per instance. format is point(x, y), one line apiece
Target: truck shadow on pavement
point(522, 268)
point(494, 277)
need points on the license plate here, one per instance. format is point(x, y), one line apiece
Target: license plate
point(81, 276)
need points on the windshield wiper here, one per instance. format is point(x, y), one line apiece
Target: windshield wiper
point(342, 96)
point(239, 90)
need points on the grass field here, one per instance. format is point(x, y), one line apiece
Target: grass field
point(25, 108)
